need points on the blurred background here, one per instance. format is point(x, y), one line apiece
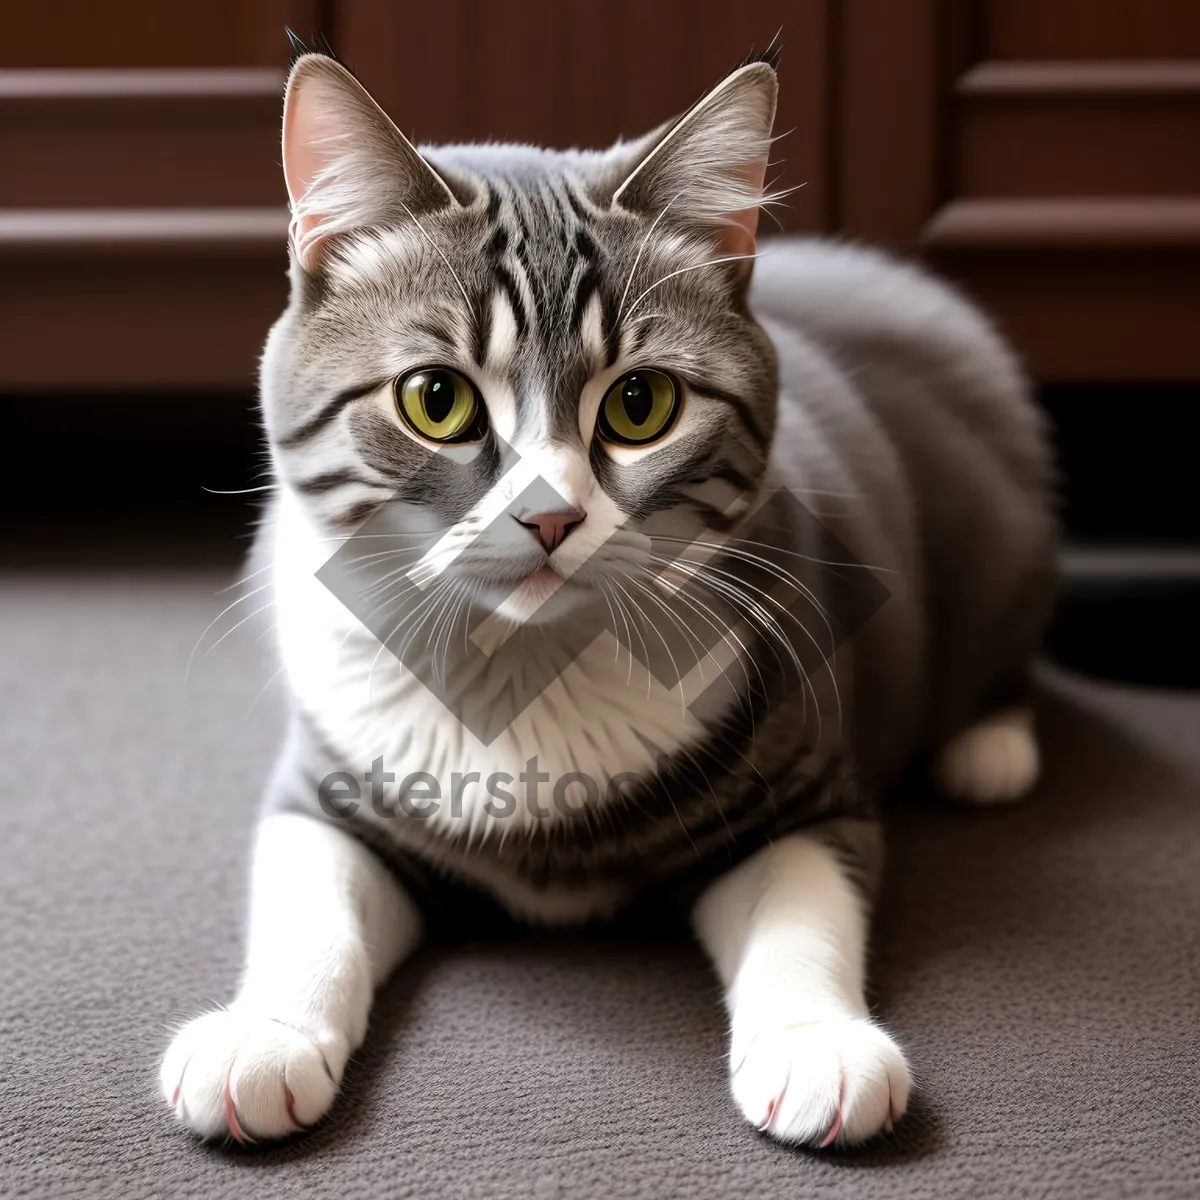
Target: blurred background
point(1043, 153)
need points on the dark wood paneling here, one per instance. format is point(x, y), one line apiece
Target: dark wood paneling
point(109, 329)
point(887, 78)
point(151, 33)
point(1043, 151)
point(140, 138)
point(564, 74)
point(127, 299)
point(142, 226)
point(1090, 315)
point(1069, 173)
point(1081, 29)
point(1078, 129)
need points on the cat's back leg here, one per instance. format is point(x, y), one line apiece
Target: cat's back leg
point(996, 760)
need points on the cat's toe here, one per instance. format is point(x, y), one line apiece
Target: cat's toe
point(820, 1082)
point(992, 762)
point(245, 1076)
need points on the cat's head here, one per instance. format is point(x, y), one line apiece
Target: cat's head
point(537, 361)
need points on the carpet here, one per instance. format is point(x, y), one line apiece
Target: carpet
point(1040, 964)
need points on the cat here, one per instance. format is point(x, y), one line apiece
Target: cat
point(532, 413)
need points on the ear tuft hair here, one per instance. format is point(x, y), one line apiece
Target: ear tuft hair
point(320, 47)
point(299, 49)
point(772, 55)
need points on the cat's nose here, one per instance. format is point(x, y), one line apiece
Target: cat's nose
point(550, 528)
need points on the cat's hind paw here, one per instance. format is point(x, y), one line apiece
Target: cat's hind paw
point(822, 1082)
point(245, 1076)
point(993, 762)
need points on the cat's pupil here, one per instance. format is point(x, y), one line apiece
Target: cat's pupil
point(438, 396)
point(638, 399)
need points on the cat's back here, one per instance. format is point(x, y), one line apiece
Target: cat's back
point(893, 329)
point(896, 391)
point(841, 290)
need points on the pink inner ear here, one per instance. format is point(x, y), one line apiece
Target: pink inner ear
point(738, 234)
point(302, 160)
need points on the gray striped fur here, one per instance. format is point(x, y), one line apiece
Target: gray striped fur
point(874, 395)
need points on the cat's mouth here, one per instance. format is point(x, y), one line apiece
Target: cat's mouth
point(530, 599)
point(541, 584)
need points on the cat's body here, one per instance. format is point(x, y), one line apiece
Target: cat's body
point(903, 429)
point(882, 409)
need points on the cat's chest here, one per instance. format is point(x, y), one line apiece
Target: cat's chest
point(598, 722)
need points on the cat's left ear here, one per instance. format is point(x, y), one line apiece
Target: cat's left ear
point(346, 165)
point(708, 167)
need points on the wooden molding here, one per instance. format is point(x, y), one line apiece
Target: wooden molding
point(142, 226)
point(1081, 80)
point(94, 298)
point(1077, 223)
point(143, 231)
point(216, 84)
point(140, 138)
point(1086, 288)
point(1077, 128)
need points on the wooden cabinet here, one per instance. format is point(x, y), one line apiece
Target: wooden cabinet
point(141, 218)
point(1046, 153)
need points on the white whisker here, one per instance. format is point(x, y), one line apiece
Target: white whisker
point(638, 257)
point(438, 250)
point(711, 262)
point(240, 600)
point(262, 609)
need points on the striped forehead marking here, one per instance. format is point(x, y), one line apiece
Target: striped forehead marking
point(544, 259)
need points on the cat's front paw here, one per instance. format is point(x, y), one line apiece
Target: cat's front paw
point(819, 1082)
point(248, 1076)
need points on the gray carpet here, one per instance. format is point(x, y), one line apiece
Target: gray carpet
point(1040, 964)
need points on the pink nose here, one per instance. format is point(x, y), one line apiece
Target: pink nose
point(551, 528)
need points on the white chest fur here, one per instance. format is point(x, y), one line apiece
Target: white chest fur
point(603, 716)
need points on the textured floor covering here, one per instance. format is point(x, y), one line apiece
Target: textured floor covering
point(1040, 964)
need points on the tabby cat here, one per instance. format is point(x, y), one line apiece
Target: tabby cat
point(617, 560)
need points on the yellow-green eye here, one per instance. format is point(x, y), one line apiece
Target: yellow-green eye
point(440, 404)
point(638, 408)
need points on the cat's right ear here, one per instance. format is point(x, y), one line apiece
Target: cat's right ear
point(346, 165)
point(707, 169)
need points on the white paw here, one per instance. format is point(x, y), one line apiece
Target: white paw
point(248, 1076)
point(820, 1082)
point(992, 762)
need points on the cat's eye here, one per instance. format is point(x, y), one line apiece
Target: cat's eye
point(440, 404)
point(639, 408)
